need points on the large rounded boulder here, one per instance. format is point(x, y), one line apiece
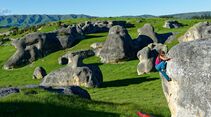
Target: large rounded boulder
point(118, 46)
point(147, 33)
point(172, 24)
point(75, 74)
point(198, 31)
point(189, 92)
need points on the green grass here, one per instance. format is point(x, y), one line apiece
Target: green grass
point(123, 92)
point(4, 30)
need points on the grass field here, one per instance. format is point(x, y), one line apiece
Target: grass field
point(123, 92)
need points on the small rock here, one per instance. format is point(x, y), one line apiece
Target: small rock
point(39, 73)
point(6, 91)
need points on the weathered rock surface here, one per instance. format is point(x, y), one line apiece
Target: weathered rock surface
point(67, 58)
point(97, 47)
point(36, 45)
point(147, 33)
point(39, 73)
point(75, 73)
point(189, 92)
point(172, 24)
point(72, 90)
point(7, 91)
point(147, 57)
point(198, 31)
point(118, 46)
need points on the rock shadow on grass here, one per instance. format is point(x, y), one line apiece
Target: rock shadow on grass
point(127, 81)
point(34, 109)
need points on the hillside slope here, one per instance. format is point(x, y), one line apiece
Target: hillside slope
point(29, 20)
point(200, 15)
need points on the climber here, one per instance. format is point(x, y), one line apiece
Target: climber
point(160, 64)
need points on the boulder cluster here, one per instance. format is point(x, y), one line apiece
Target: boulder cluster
point(36, 45)
point(101, 26)
point(120, 46)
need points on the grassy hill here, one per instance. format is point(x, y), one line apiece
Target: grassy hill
point(192, 15)
point(123, 92)
point(29, 20)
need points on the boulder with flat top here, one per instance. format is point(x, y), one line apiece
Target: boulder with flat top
point(75, 74)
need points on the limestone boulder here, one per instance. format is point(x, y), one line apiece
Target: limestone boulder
point(147, 33)
point(118, 46)
point(68, 58)
point(200, 30)
point(189, 92)
point(39, 73)
point(147, 57)
point(7, 91)
point(76, 73)
point(71, 90)
point(172, 24)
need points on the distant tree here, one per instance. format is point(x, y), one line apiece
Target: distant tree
point(166, 16)
point(201, 17)
point(59, 23)
point(14, 30)
point(33, 29)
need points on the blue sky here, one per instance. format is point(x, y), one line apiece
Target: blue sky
point(103, 7)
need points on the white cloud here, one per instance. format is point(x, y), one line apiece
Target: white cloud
point(4, 11)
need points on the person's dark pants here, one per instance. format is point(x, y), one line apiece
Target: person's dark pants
point(161, 67)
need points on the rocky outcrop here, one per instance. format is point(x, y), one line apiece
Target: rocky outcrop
point(172, 24)
point(118, 46)
point(67, 58)
point(7, 91)
point(147, 33)
point(198, 31)
point(101, 26)
point(36, 45)
point(75, 73)
point(189, 92)
point(39, 73)
point(72, 90)
point(147, 57)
